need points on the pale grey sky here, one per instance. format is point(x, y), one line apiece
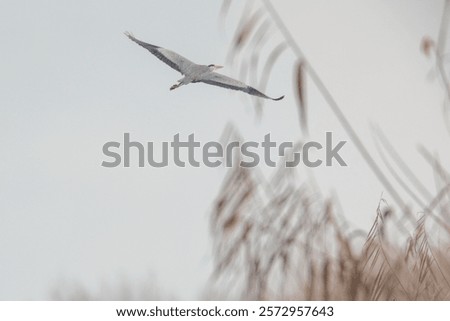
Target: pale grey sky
point(71, 81)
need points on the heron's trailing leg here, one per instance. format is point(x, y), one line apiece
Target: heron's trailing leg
point(175, 86)
point(181, 82)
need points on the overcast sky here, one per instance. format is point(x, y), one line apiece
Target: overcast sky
point(71, 81)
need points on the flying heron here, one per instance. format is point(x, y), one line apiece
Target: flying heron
point(194, 73)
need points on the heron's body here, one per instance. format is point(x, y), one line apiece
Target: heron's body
point(194, 73)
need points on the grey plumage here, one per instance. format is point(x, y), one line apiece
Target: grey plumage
point(194, 73)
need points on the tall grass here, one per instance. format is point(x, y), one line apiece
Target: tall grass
point(276, 239)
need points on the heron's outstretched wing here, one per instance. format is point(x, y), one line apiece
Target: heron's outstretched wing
point(217, 79)
point(174, 60)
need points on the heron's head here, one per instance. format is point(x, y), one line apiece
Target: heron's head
point(213, 67)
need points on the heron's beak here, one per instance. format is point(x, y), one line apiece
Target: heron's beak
point(218, 67)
